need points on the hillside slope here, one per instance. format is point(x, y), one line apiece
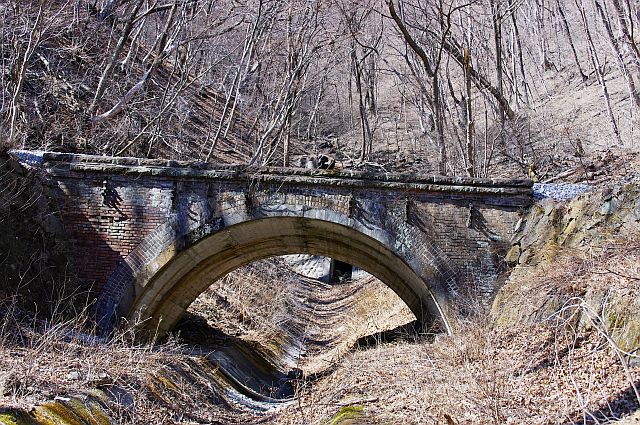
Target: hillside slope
point(559, 345)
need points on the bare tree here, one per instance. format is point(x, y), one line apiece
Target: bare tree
point(22, 54)
point(430, 66)
point(132, 13)
point(363, 51)
point(617, 51)
point(595, 60)
point(261, 24)
point(163, 49)
point(520, 58)
point(304, 40)
point(470, 139)
point(496, 18)
point(567, 30)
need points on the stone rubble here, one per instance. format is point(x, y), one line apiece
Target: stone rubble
point(559, 191)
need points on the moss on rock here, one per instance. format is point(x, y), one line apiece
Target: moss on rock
point(16, 417)
point(347, 415)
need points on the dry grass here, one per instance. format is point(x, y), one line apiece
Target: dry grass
point(559, 358)
point(481, 376)
point(42, 359)
point(529, 373)
point(251, 302)
point(133, 383)
point(560, 365)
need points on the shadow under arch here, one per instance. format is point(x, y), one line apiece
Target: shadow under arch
point(162, 299)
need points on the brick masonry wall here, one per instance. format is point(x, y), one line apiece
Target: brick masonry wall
point(120, 214)
point(106, 217)
point(110, 232)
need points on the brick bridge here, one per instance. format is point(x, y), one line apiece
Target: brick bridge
point(151, 235)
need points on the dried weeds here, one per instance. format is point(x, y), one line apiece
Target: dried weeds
point(562, 366)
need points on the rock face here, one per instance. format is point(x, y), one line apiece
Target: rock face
point(583, 253)
point(589, 221)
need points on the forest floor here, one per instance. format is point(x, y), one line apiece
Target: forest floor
point(539, 355)
point(532, 372)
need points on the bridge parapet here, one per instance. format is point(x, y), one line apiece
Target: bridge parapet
point(65, 164)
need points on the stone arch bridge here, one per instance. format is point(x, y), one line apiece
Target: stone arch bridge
point(151, 235)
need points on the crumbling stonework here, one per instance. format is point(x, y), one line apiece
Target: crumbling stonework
point(151, 235)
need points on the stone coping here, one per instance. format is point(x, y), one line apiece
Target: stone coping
point(59, 164)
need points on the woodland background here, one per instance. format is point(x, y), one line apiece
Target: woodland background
point(465, 87)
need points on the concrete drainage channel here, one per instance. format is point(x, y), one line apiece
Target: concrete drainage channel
point(246, 378)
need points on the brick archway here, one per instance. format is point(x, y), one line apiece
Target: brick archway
point(161, 299)
point(131, 222)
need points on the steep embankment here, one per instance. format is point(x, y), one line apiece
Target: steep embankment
point(33, 265)
point(582, 255)
point(560, 344)
point(240, 370)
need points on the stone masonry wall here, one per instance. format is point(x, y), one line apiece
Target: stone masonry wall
point(113, 207)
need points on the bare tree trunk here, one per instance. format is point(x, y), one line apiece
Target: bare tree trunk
point(567, 30)
point(471, 155)
point(108, 70)
point(291, 64)
point(367, 135)
point(363, 69)
point(626, 28)
point(372, 103)
point(497, 38)
point(480, 80)
point(598, 70)
point(19, 71)
point(161, 52)
point(615, 47)
point(286, 142)
point(107, 9)
point(134, 46)
point(542, 36)
point(316, 106)
point(439, 122)
point(516, 34)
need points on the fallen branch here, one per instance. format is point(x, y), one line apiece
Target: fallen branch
point(609, 271)
point(163, 52)
point(562, 175)
point(356, 401)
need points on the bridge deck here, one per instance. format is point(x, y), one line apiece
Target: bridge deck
point(65, 164)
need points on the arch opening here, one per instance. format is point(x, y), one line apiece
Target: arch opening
point(162, 300)
point(339, 270)
point(292, 316)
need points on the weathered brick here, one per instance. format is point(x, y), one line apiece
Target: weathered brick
point(427, 221)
